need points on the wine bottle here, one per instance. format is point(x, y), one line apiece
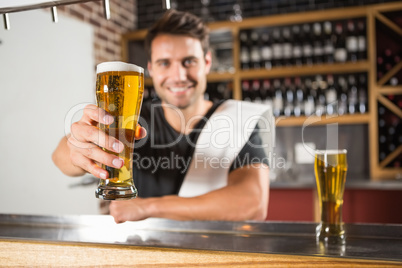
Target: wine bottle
point(297, 49)
point(299, 101)
point(277, 47)
point(224, 91)
point(382, 133)
point(319, 85)
point(287, 46)
point(352, 96)
point(362, 94)
point(361, 40)
point(351, 41)
point(331, 96)
point(244, 51)
point(266, 88)
point(266, 51)
point(380, 67)
point(255, 56)
point(309, 102)
point(245, 87)
point(318, 50)
point(278, 98)
point(328, 42)
point(307, 47)
point(340, 53)
point(255, 87)
point(289, 97)
point(342, 95)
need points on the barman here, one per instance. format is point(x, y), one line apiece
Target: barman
point(193, 159)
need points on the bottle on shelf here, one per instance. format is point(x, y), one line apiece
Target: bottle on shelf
point(289, 97)
point(309, 102)
point(352, 95)
point(328, 42)
point(266, 51)
point(277, 47)
point(300, 97)
point(351, 41)
point(382, 148)
point(224, 91)
point(342, 95)
point(318, 49)
point(363, 102)
point(277, 100)
point(388, 60)
point(319, 86)
point(287, 48)
point(307, 47)
point(331, 96)
point(255, 56)
point(340, 53)
point(256, 93)
point(361, 40)
point(244, 51)
point(297, 49)
point(380, 67)
point(267, 92)
point(245, 87)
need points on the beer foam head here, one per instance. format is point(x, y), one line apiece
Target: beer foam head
point(118, 66)
point(331, 152)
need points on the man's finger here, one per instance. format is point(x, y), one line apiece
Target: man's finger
point(140, 132)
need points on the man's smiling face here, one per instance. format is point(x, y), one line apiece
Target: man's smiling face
point(178, 68)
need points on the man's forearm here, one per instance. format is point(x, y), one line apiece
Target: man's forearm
point(246, 199)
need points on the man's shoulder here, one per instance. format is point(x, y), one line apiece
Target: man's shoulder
point(246, 108)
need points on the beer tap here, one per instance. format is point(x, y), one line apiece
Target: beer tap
point(30, 5)
point(166, 4)
point(6, 21)
point(106, 6)
point(54, 14)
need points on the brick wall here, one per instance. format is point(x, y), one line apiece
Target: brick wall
point(107, 33)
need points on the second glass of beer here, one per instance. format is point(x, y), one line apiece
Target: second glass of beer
point(119, 91)
point(330, 171)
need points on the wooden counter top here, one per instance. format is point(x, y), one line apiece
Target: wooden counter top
point(92, 241)
point(15, 253)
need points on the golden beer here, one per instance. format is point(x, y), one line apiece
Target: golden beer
point(119, 91)
point(330, 171)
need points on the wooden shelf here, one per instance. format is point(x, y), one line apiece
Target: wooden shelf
point(360, 66)
point(218, 77)
point(389, 23)
point(322, 120)
point(391, 90)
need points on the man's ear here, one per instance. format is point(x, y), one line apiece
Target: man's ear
point(149, 66)
point(208, 62)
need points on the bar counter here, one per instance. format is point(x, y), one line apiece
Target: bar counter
point(76, 241)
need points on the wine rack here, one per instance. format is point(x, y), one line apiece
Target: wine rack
point(386, 87)
point(379, 86)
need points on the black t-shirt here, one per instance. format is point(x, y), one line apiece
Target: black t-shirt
point(162, 158)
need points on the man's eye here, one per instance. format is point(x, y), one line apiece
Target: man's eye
point(189, 62)
point(163, 63)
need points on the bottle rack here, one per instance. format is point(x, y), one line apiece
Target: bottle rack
point(377, 90)
point(386, 23)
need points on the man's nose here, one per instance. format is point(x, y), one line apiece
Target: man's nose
point(178, 72)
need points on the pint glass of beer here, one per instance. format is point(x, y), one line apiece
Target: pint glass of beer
point(119, 90)
point(330, 172)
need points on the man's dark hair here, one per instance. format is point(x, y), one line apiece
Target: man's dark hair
point(178, 23)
